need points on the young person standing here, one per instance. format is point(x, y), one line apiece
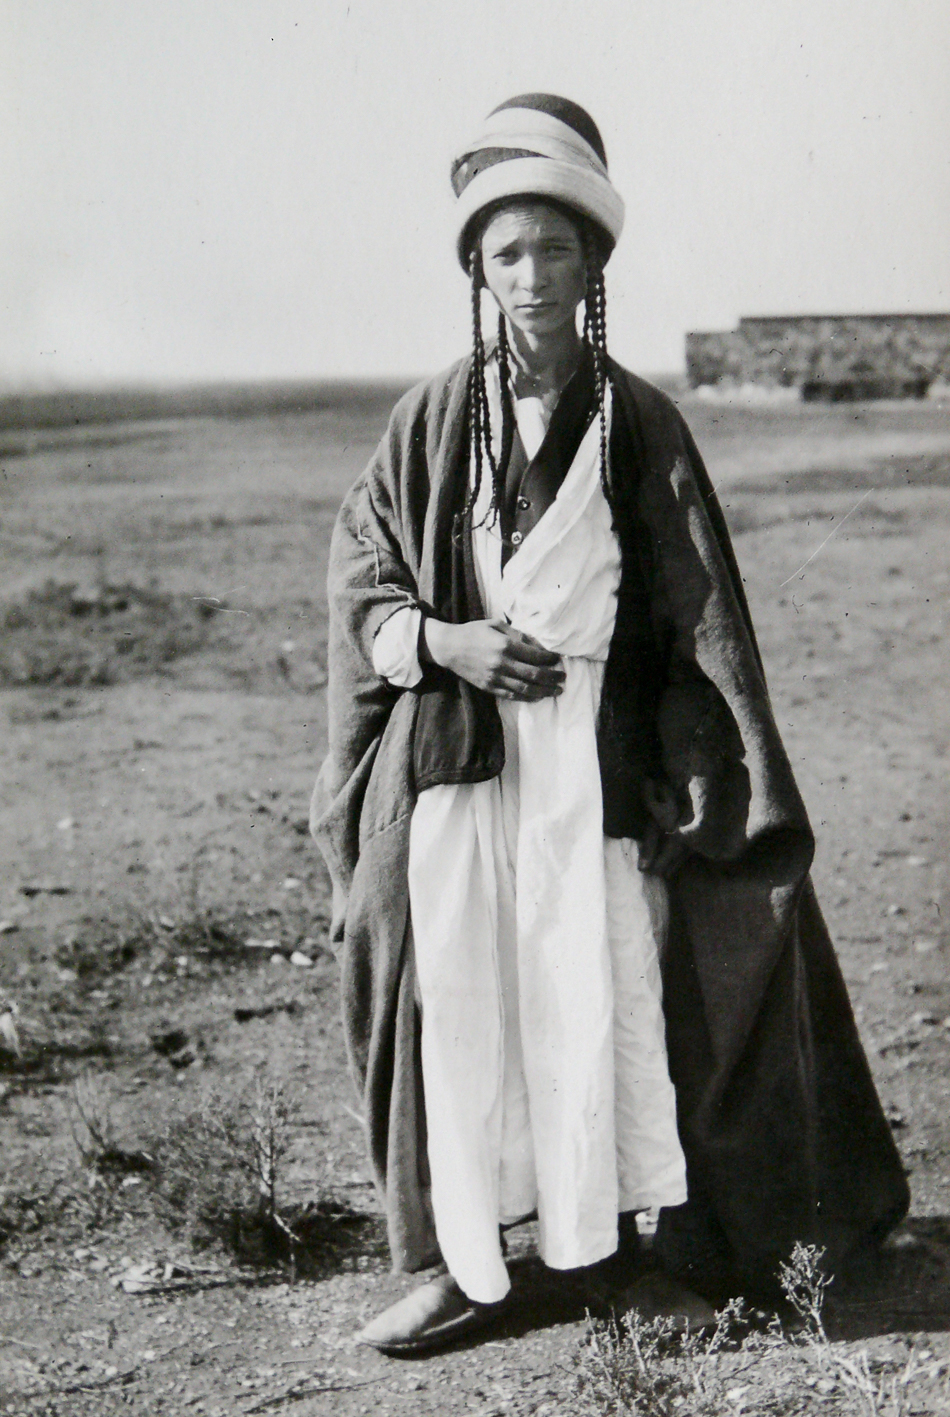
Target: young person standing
point(584, 972)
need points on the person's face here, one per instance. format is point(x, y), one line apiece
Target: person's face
point(534, 266)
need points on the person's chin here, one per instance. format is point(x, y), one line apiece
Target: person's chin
point(540, 322)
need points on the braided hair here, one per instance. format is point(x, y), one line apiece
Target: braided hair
point(595, 337)
point(479, 416)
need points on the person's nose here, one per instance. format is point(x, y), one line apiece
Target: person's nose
point(534, 275)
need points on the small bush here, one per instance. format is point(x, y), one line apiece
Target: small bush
point(99, 947)
point(96, 948)
point(804, 1283)
point(219, 1172)
point(91, 1122)
point(106, 1164)
point(216, 937)
point(628, 1367)
point(68, 1200)
point(637, 1367)
point(29, 1206)
point(94, 1132)
point(877, 1390)
point(106, 634)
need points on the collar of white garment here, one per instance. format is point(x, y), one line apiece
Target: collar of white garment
point(532, 418)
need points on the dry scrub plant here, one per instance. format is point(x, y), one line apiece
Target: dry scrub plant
point(31, 1205)
point(637, 1367)
point(643, 1368)
point(804, 1283)
point(102, 634)
point(91, 1122)
point(219, 1171)
point(885, 1394)
point(108, 1166)
point(57, 1203)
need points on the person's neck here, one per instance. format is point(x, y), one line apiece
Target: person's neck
point(541, 365)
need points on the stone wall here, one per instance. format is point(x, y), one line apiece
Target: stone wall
point(826, 356)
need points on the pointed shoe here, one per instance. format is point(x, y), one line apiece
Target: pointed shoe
point(432, 1316)
point(657, 1295)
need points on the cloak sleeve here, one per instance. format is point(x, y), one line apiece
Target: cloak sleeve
point(392, 546)
point(370, 577)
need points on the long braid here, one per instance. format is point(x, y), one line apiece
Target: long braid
point(507, 413)
point(479, 407)
point(476, 400)
point(485, 426)
point(595, 333)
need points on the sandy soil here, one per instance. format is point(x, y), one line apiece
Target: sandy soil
point(178, 790)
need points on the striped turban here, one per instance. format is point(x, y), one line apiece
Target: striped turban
point(536, 145)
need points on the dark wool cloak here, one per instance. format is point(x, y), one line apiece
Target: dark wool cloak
point(783, 1132)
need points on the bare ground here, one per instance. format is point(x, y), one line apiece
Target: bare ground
point(155, 790)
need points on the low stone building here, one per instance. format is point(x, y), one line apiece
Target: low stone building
point(826, 356)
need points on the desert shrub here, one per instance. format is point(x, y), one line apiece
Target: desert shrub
point(91, 1120)
point(47, 1207)
point(633, 1367)
point(804, 1283)
point(637, 1367)
point(31, 1206)
point(628, 1366)
point(219, 1171)
point(207, 932)
point(107, 1165)
point(64, 635)
point(220, 1180)
point(94, 1132)
point(875, 1389)
point(58, 1203)
point(23, 1209)
point(97, 947)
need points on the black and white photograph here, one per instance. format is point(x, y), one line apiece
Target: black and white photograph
point(474, 557)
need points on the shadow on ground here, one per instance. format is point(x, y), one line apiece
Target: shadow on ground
point(907, 1290)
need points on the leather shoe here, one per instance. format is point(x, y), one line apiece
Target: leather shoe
point(432, 1316)
point(657, 1295)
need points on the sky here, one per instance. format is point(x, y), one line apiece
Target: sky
point(258, 189)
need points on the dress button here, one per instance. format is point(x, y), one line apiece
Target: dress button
point(523, 504)
point(516, 538)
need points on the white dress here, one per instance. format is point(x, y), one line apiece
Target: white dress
point(536, 938)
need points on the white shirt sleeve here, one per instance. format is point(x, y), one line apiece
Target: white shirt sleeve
point(396, 648)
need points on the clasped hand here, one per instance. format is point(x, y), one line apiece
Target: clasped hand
point(494, 656)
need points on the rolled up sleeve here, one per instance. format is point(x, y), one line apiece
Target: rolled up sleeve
point(396, 648)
